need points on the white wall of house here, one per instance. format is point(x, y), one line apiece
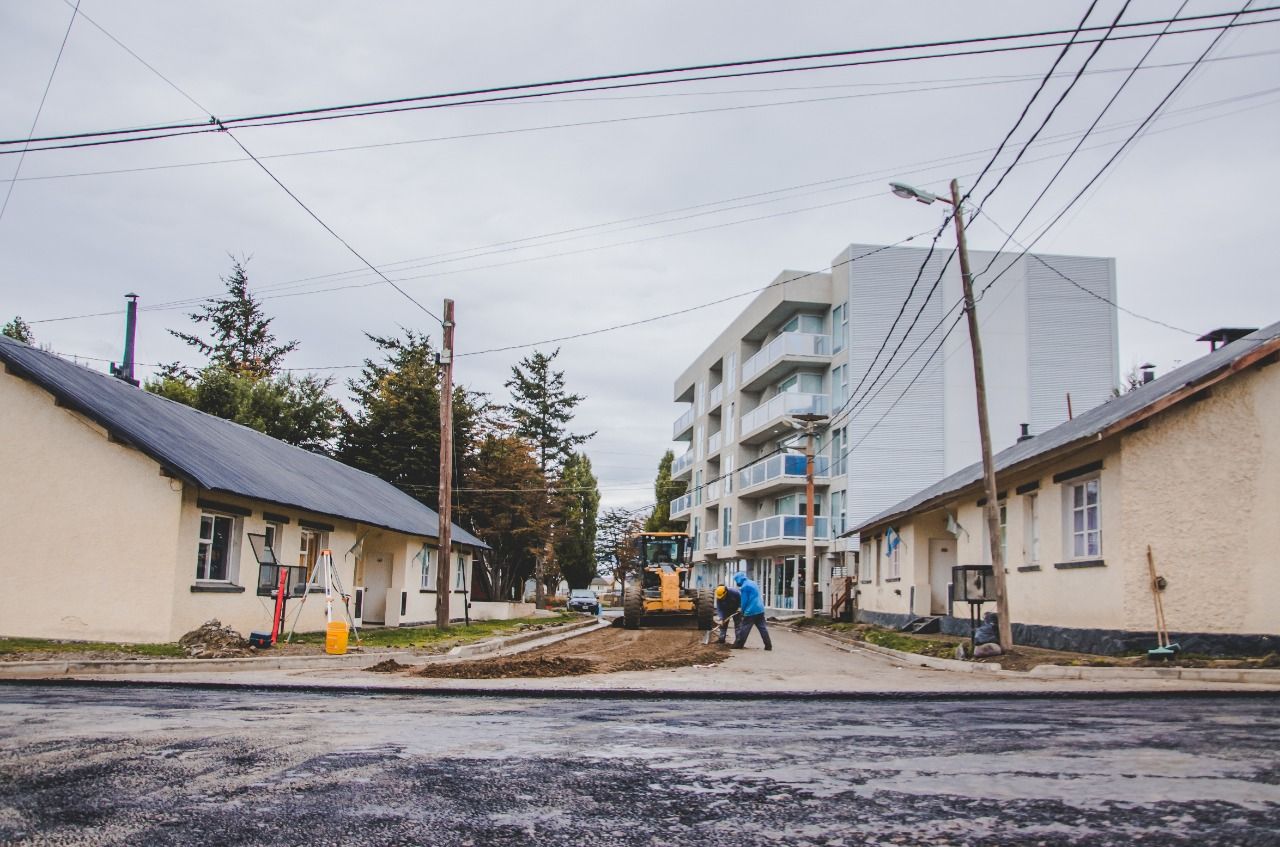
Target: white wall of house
point(88, 528)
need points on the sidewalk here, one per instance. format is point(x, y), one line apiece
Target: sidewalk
point(800, 664)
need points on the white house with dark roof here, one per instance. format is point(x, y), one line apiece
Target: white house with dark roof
point(128, 517)
point(1186, 465)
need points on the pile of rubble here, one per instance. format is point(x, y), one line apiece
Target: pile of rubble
point(212, 640)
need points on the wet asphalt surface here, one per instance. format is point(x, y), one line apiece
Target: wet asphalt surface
point(180, 766)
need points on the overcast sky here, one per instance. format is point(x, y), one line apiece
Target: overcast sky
point(719, 185)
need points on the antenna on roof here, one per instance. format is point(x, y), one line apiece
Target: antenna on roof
point(124, 370)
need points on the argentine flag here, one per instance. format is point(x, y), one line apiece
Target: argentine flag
point(891, 541)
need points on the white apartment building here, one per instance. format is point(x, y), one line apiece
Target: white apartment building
point(902, 413)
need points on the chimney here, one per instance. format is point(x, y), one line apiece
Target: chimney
point(1026, 434)
point(1148, 372)
point(124, 370)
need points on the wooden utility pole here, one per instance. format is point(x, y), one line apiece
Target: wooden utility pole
point(991, 509)
point(444, 555)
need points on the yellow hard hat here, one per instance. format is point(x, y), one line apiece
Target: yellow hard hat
point(720, 591)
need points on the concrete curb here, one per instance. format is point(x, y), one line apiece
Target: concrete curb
point(1256, 676)
point(559, 633)
point(60, 667)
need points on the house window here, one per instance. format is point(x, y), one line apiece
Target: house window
point(1031, 531)
point(310, 544)
point(894, 568)
point(460, 577)
point(839, 327)
point(428, 577)
point(214, 552)
point(1084, 519)
point(1002, 513)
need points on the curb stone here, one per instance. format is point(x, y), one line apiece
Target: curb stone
point(1256, 676)
point(63, 667)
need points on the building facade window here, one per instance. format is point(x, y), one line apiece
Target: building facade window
point(427, 576)
point(214, 551)
point(839, 386)
point(697, 534)
point(804, 323)
point(839, 327)
point(728, 473)
point(1084, 518)
point(697, 488)
point(838, 509)
point(726, 529)
point(1031, 528)
point(310, 543)
point(730, 372)
point(804, 383)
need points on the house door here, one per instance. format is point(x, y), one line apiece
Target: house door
point(942, 558)
point(377, 582)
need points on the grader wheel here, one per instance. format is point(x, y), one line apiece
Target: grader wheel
point(705, 609)
point(632, 607)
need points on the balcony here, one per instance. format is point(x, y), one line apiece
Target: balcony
point(782, 529)
point(781, 472)
point(715, 398)
point(682, 466)
point(767, 420)
point(713, 443)
point(681, 506)
point(711, 492)
point(784, 353)
point(710, 540)
point(682, 430)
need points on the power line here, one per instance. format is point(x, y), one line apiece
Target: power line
point(40, 108)
point(430, 101)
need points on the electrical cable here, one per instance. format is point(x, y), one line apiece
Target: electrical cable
point(335, 112)
point(39, 109)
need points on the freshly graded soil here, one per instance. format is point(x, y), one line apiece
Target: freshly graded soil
point(388, 666)
point(608, 650)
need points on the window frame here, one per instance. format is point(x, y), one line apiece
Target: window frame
point(1031, 528)
point(1069, 510)
point(307, 557)
point(204, 546)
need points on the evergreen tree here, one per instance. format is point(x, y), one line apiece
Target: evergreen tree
point(395, 431)
point(665, 489)
point(19, 329)
point(542, 410)
point(294, 409)
point(576, 530)
point(241, 341)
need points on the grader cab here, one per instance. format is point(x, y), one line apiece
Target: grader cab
point(661, 590)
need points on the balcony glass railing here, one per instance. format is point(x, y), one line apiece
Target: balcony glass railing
point(711, 539)
point(711, 492)
point(713, 443)
point(681, 504)
point(716, 397)
point(682, 423)
point(789, 466)
point(782, 528)
point(790, 403)
point(682, 464)
point(786, 344)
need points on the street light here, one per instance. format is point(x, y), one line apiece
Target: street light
point(990, 508)
point(810, 421)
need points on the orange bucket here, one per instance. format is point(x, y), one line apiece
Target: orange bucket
point(335, 638)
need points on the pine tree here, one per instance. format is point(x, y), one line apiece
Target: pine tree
point(19, 330)
point(542, 411)
point(665, 489)
point(395, 431)
point(242, 341)
point(576, 530)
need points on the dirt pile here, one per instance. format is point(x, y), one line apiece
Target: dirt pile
point(212, 640)
point(602, 651)
point(388, 666)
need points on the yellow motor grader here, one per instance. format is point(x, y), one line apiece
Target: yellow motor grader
point(661, 589)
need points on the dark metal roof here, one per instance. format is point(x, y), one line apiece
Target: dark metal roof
point(1087, 425)
point(218, 455)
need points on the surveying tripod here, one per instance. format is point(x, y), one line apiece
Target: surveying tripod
point(332, 583)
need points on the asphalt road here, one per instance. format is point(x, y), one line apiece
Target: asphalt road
point(179, 766)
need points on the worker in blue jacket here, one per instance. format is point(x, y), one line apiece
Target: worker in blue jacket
point(752, 612)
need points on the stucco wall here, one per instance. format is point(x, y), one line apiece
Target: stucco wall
point(245, 611)
point(1204, 491)
point(86, 527)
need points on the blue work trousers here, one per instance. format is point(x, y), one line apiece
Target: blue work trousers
point(736, 617)
point(748, 621)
